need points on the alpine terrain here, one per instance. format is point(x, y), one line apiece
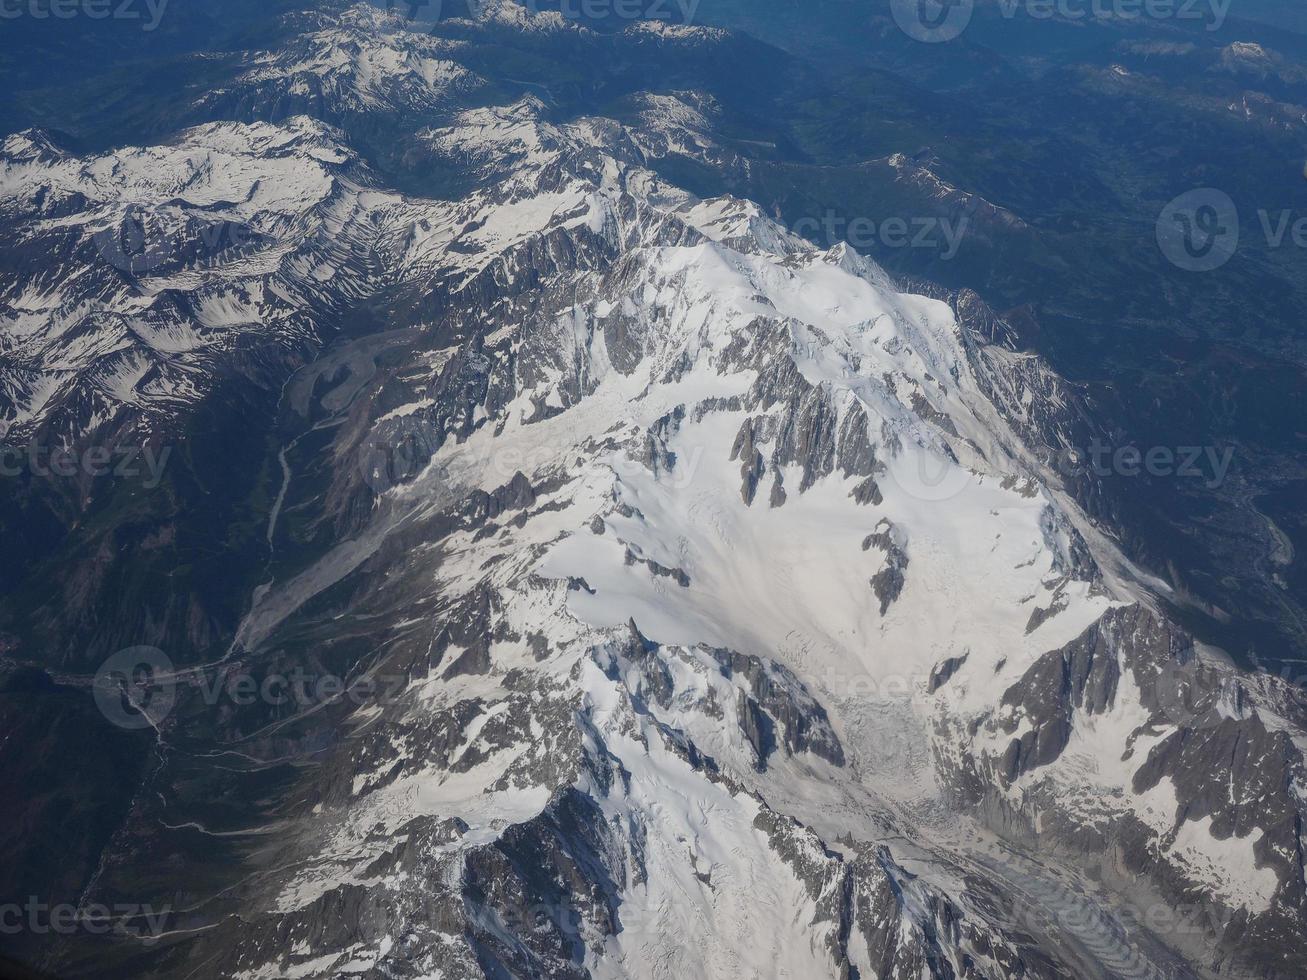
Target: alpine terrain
point(647, 590)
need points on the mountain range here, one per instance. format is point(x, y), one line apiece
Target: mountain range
point(554, 556)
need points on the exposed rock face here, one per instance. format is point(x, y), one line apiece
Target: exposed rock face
point(622, 718)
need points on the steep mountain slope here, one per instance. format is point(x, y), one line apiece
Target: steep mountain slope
point(708, 601)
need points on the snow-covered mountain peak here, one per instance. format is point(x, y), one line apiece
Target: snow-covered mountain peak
point(729, 596)
point(256, 166)
point(500, 137)
point(176, 251)
point(30, 145)
point(362, 62)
